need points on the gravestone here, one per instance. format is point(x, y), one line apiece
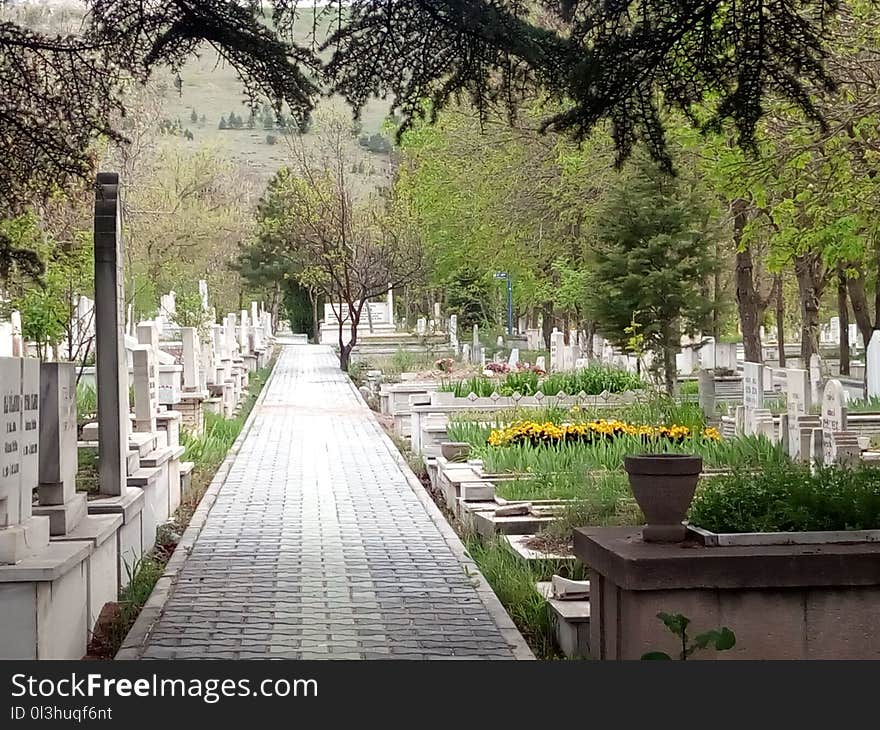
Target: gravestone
point(10, 442)
point(145, 403)
point(557, 347)
point(707, 354)
point(834, 330)
point(476, 347)
point(815, 378)
point(466, 352)
point(421, 326)
point(541, 363)
point(231, 340)
point(839, 445)
point(798, 403)
point(513, 360)
point(753, 393)
point(203, 294)
point(208, 372)
point(58, 498)
point(872, 357)
point(112, 370)
point(58, 452)
point(30, 430)
point(453, 333)
point(389, 305)
point(243, 333)
point(437, 311)
point(725, 356)
point(148, 335)
point(706, 391)
point(17, 338)
point(191, 357)
point(21, 534)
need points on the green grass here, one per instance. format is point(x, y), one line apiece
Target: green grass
point(602, 490)
point(789, 498)
point(869, 405)
point(87, 471)
point(513, 581)
point(209, 449)
point(86, 403)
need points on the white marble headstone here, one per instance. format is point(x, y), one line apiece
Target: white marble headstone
point(797, 397)
point(873, 365)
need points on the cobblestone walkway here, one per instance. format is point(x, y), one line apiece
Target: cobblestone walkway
point(318, 547)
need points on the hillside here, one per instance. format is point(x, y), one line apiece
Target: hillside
point(211, 88)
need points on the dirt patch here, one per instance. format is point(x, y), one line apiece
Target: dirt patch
point(553, 544)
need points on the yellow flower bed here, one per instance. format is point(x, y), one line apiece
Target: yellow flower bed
point(588, 432)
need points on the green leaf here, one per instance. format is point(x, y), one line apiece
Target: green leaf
point(675, 622)
point(719, 639)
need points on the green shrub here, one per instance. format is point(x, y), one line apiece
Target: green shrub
point(789, 498)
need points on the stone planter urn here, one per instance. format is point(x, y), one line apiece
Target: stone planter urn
point(663, 485)
point(455, 450)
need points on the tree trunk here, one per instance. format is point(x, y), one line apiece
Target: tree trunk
point(780, 320)
point(591, 332)
point(669, 371)
point(316, 326)
point(861, 309)
point(843, 314)
point(346, 350)
point(807, 268)
point(547, 324)
point(747, 298)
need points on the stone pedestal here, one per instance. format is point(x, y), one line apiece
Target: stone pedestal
point(191, 408)
point(101, 533)
point(130, 538)
point(781, 601)
point(44, 603)
point(169, 422)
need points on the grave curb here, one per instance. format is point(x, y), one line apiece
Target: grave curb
point(491, 602)
point(136, 638)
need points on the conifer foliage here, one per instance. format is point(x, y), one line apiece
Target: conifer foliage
point(615, 60)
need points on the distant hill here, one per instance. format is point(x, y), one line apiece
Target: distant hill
point(210, 89)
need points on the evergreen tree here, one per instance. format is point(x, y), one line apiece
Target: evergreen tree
point(623, 62)
point(251, 122)
point(202, 121)
point(194, 118)
point(653, 253)
point(223, 124)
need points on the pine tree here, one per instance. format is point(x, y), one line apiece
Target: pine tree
point(194, 118)
point(223, 124)
point(652, 255)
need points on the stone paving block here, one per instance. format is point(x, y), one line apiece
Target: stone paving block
point(317, 547)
